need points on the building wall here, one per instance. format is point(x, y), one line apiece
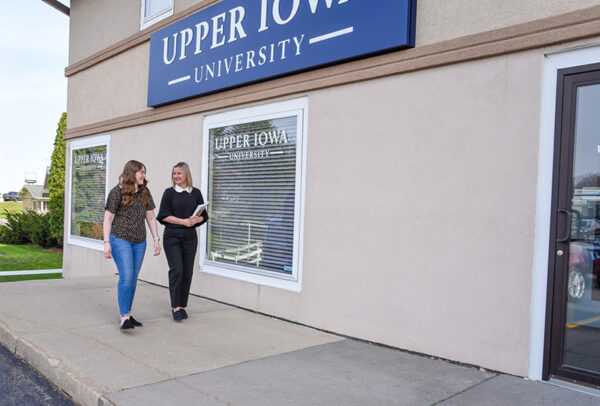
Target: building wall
point(27, 204)
point(93, 98)
point(418, 219)
point(97, 25)
point(40, 206)
point(420, 189)
point(440, 20)
point(126, 93)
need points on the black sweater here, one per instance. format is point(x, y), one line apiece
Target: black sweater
point(180, 205)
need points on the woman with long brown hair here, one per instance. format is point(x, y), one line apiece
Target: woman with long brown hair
point(127, 206)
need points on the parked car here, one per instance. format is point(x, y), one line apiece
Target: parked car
point(584, 268)
point(10, 197)
point(589, 229)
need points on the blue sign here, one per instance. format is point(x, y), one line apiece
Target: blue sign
point(236, 42)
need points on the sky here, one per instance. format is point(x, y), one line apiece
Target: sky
point(34, 42)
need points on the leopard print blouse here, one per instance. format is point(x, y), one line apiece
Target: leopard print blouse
point(128, 223)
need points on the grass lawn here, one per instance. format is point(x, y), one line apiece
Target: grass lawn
point(10, 206)
point(28, 257)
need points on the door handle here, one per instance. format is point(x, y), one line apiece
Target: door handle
point(567, 236)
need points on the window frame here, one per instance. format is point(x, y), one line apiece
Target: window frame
point(75, 145)
point(148, 21)
point(298, 107)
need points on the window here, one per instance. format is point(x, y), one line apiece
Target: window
point(88, 187)
point(253, 178)
point(155, 10)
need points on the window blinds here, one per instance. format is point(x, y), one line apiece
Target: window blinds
point(252, 190)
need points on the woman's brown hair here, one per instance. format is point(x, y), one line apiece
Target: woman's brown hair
point(127, 181)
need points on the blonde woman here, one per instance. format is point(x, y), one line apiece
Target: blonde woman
point(127, 206)
point(180, 239)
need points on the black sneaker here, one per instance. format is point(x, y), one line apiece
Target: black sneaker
point(127, 325)
point(177, 316)
point(184, 313)
point(135, 322)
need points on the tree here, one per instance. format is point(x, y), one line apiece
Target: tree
point(56, 182)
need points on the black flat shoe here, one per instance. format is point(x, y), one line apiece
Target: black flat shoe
point(177, 316)
point(135, 322)
point(127, 325)
point(183, 312)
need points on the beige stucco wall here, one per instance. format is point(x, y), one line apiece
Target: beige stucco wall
point(98, 94)
point(114, 19)
point(419, 213)
point(422, 190)
point(420, 209)
point(439, 20)
point(159, 146)
point(112, 88)
point(420, 193)
point(96, 25)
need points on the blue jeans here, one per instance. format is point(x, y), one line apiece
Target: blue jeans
point(128, 256)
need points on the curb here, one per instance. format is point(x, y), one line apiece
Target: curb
point(52, 369)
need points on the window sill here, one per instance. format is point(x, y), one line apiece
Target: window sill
point(284, 282)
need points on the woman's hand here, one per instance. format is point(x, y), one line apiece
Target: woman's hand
point(156, 247)
point(107, 251)
point(190, 221)
point(106, 227)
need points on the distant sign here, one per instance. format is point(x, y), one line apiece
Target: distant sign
point(237, 42)
point(30, 177)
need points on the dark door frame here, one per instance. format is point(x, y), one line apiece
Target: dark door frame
point(568, 80)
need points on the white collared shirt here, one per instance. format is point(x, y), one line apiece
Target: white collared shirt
point(179, 189)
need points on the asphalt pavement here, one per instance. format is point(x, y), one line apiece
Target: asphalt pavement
point(223, 355)
point(22, 385)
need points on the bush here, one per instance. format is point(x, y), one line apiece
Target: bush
point(37, 229)
point(28, 227)
point(12, 232)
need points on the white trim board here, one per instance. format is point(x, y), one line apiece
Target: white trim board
point(33, 272)
point(552, 63)
point(78, 144)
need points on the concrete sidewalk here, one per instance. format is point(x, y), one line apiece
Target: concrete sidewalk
point(68, 330)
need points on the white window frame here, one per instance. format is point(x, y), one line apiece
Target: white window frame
point(286, 108)
point(552, 63)
point(79, 144)
point(148, 21)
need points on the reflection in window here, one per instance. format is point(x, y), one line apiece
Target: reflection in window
point(252, 190)
point(584, 255)
point(88, 191)
point(155, 10)
point(155, 7)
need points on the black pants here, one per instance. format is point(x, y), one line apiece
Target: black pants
point(180, 248)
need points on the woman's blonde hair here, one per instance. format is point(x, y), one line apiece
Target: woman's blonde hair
point(186, 169)
point(127, 181)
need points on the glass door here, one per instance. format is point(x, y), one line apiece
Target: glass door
point(575, 249)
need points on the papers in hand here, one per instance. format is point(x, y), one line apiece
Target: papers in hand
point(200, 209)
